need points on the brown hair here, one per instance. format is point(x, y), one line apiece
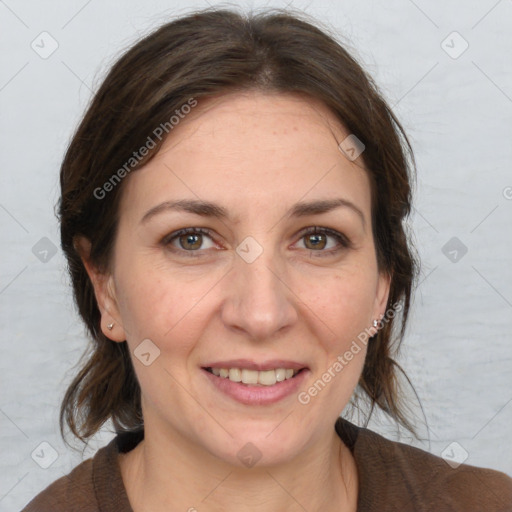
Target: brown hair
point(207, 53)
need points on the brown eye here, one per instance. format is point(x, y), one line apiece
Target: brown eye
point(190, 242)
point(324, 241)
point(315, 241)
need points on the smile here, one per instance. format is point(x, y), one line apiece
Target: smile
point(255, 387)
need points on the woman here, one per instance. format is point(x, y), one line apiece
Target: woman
point(232, 213)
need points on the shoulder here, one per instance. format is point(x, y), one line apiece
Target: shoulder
point(94, 485)
point(436, 485)
point(399, 474)
point(74, 490)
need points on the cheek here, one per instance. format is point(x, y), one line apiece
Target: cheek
point(340, 310)
point(170, 313)
point(343, 302)
point(161, 305)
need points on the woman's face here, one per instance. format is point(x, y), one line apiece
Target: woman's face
point(251, 289)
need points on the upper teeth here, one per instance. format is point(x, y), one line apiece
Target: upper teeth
point(265, 378)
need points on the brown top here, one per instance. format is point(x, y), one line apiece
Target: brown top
point(392, 477)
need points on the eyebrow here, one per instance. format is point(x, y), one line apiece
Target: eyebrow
point(208, 209)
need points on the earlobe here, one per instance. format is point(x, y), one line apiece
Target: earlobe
point(381, 300)
point(110, 316)
point(382, 295)
point(104, 292)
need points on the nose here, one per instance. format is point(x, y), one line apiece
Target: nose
point(259, 302)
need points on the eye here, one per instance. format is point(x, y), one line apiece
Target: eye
point(323, 241)
point(189, 240)
point(317, 239)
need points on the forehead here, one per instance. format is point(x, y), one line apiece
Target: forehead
point(249, 148)
point(230, 123)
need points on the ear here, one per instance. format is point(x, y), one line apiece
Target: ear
point(104, 291)
point(381, 295)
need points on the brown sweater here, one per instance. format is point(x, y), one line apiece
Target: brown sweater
point(392, 477)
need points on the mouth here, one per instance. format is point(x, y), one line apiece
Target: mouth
point(258, 384)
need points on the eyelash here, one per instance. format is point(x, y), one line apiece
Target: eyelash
point(343, 241)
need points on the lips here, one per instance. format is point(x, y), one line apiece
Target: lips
point(249, 364)
point(257, 394)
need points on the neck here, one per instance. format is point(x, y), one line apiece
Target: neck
point(164, 470)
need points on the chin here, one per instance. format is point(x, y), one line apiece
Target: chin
point(260, 446)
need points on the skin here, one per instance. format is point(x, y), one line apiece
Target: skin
point(256, 155)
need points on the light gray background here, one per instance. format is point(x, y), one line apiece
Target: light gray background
point(458, 114)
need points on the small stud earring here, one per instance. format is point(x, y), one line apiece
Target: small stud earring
point(376, 323)
point(110, 326)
